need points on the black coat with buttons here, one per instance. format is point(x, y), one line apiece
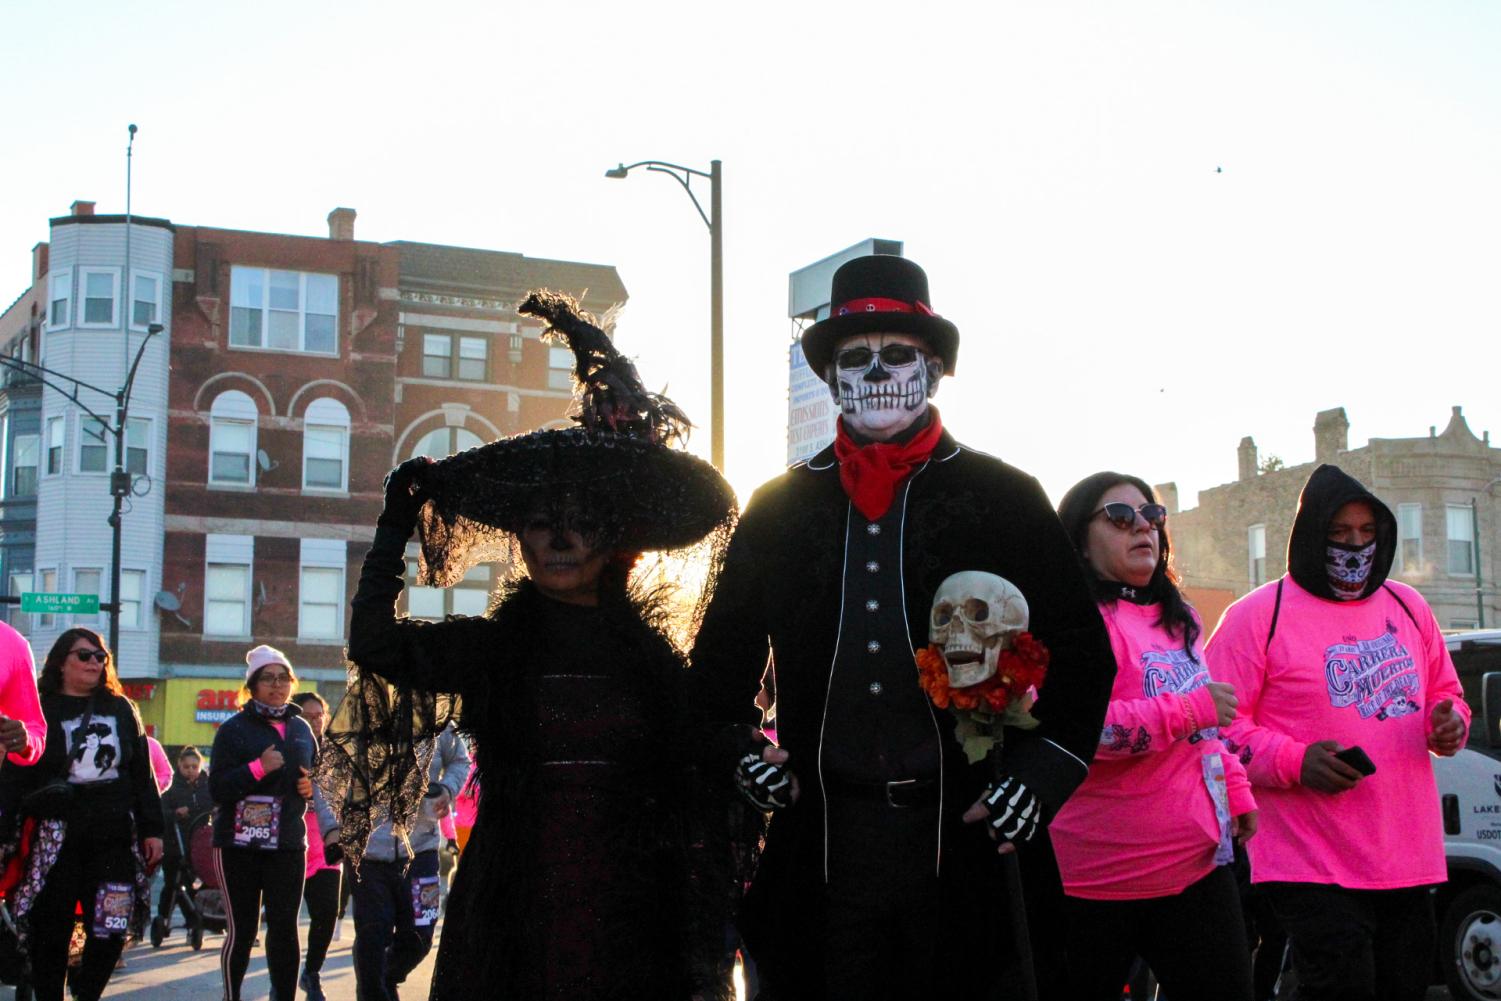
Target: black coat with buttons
point(842, 606)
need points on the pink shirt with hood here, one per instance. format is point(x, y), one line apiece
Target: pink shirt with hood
point(1365, 672)
point(18, 695)
point(1144, 823)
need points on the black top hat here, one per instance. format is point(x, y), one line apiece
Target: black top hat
point(881, 293)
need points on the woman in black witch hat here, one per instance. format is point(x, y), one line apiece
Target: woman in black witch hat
point(578, 878)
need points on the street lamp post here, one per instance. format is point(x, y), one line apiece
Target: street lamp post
point(684, 176)
point(120, 479)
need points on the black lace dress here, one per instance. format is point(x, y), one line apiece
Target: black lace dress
point(579, 878)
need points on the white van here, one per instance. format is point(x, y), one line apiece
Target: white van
point(1469, 785)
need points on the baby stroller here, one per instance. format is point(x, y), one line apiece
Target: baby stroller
point(209, 897)
point(188, 893)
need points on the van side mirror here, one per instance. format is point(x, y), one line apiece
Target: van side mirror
point(1490, 702)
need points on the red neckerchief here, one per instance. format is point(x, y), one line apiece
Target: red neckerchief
point(870, 473)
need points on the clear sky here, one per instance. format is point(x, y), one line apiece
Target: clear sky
point(1159, 226)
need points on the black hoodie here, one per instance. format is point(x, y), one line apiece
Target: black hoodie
point(1327, 490)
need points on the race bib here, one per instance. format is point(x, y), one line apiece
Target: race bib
point(1219, 793)
point(257, 822)
point(425, 898)
point(112, 904)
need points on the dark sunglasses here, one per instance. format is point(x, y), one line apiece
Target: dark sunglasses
point(98, 656)
point(1123, 515)
point(891, 354)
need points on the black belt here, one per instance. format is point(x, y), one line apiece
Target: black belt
point(899, 793)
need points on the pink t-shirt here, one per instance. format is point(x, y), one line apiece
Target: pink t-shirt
point(467, 804)
point(160, 766)
point(1363, 673)
point(315, 857)
point(1144, 823)
point(18, 696)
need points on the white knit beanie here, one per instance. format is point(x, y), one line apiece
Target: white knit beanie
point(260, 657)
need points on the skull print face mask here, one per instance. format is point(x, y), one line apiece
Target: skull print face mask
point(882, 383)
point(1348, 567)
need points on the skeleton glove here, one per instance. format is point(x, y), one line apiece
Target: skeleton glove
point(1014, 810)
point(765, 785)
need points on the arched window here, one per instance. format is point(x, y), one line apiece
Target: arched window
point(325, 446)
point(446, 441)
point(231, 445)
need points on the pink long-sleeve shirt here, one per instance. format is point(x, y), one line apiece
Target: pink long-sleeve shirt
point(160, 766)
point(1364, 673)
point(18, 695)
point(1144, 823)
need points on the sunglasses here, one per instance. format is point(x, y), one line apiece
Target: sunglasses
point(1123, 515)
point(98, 656)
point(891, 354)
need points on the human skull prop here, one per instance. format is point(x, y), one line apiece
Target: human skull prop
point(975, 616)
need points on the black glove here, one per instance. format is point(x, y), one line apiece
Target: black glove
point(333, 853)
point(404, 494)
point(1014, 809)
point(765, 785)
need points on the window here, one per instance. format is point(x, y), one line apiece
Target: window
point(54, 445)
point(1256, 546)
point(132, 588)
point(100, 287)
point(20, 583)
point(1409, 537)
point(437, 351)
point(90, 582)
point(283, 310)
point(93, 446)
point(24, 451)
point(138, 446)
point(145, 300)
point(60, 299)
point(232, 423)
point(1461, 533)
point(226, 584)
point(321, 591)
point(559, 368)
point(325, 446)
point(473, 359)
point(446, 441)
point(470, 596)
point(47, 584)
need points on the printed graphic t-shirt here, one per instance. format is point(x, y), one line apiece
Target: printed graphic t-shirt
point(93, 750)
point(1363, 673)
point(1147, 822)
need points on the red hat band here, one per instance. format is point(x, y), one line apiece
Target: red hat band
point(879, 305)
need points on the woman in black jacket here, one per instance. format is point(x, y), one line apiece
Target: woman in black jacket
point(97, 819)
point(262, 757)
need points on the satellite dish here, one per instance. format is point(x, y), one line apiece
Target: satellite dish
point(167, 601)
point(264, 461)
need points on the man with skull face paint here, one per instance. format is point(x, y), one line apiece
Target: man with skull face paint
point(872, 884)
point(1332, 656)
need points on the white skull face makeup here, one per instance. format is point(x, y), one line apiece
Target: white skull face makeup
point(881, 388)
point(975, 616)
point(1348, 567)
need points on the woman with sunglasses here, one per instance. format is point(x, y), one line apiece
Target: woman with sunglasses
point(262, 758)
point(1143, 845)
point(95, 819)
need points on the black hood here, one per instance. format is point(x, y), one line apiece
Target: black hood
point(1327, 490)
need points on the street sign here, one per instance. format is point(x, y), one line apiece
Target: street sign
point(59, 604)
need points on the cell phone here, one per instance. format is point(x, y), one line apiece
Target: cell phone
point(1357, 759)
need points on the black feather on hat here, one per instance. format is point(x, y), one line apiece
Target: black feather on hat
point(615, 476)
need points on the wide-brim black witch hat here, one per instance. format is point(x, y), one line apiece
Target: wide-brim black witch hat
point(880, 294)
point(615, 476)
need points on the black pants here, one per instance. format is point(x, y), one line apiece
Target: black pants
point(74, 880)
point(321, 893)
point(1194, 941)
point(1357, 945)
point(389, 937)
point(249, 877)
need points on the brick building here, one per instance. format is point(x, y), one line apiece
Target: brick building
point(302, 369)
point(1442, 488)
